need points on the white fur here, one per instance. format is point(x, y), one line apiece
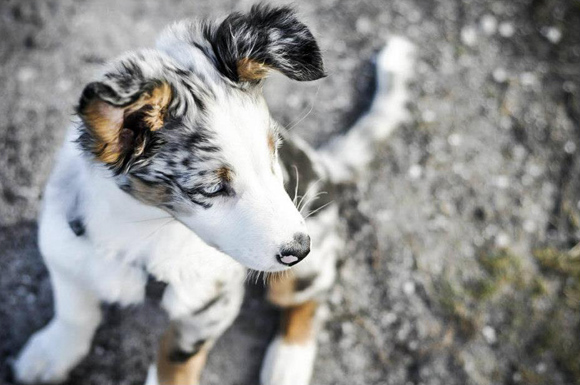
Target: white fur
point(53, 351)
point(152, 376)
point(288, 364)
point(125, 238)
point(262, 217)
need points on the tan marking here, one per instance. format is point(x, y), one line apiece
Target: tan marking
point(281, 290)
point(146, 193)
point(224, 173)
point(298, 323)
point(158, 99)
point(251, 70)
point(271, 142)
point(171, 373)
point(106, 121)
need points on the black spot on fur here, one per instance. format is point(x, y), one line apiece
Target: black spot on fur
point(181, 356)
point(268, 35)
point(154, 288)
point(208, 305)
point(197, 100)
point(77, 226)
point(304, 283)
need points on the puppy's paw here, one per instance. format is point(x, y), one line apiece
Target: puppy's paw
point(152, 376)
point(288, 364)
point(49, 356)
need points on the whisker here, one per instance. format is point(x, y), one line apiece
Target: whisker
point(296, 187)
point(308, 113)
point(318, 209)
point(307, 191)
point(149, 220)
point(250, 275)
point(159, 228)
point(312, 199)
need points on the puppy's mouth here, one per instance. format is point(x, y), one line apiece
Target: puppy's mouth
point(267, 277)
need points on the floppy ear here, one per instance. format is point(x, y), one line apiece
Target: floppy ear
point(249, 45)
point(119, 126)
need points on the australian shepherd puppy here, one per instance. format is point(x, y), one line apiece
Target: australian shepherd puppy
point(175, 170)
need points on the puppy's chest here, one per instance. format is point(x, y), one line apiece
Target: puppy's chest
point(164, 248)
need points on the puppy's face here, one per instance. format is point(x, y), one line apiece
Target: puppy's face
point(185, 128)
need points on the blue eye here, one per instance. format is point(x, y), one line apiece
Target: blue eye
point(214, 189)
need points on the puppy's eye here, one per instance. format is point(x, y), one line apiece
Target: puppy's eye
point(215, 189)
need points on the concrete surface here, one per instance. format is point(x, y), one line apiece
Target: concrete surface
point(461, 267)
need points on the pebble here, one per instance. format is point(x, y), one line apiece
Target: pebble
point(502, 240)
point(541, 368)
point(505, 122)
point(553, 34)
point(499, 75)
point(409, 288)
point(389, 319)
point(529, 226)
point(528, 79)
point(415, 171)
point(506, 29)
point(364, 26)
point(489, 334)
point(535, 170)
point(502, 181)
point(454, 140)
point(429, 116)
point(489, 24)
point(469, 36)
point(414, 17)
point(570, 147)
point(64, 85)
point(26, 74)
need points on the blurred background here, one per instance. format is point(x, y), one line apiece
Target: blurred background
point(462, 265)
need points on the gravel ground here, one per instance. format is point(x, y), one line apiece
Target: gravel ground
point(461, 267)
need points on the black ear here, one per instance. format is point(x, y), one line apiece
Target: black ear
point(248, 45)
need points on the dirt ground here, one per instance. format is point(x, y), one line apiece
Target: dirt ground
point(461, 266)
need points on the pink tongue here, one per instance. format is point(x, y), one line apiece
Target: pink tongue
point(289, 259)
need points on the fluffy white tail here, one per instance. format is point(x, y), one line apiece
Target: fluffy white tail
point(348, 155)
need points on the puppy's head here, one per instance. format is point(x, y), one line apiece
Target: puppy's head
point(185, 128)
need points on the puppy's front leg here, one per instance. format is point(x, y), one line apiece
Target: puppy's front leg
point(54, 350)
point(184, 346)
point(291, 355)
point(176, 366)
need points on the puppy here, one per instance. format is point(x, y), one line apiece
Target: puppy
point(175, 171)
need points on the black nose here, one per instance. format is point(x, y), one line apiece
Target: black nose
point(295, 250)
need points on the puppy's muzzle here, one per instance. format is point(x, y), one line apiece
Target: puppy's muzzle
point(294, 251)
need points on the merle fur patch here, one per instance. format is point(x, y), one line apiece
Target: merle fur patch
point(247, 45)
point(148, 118)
